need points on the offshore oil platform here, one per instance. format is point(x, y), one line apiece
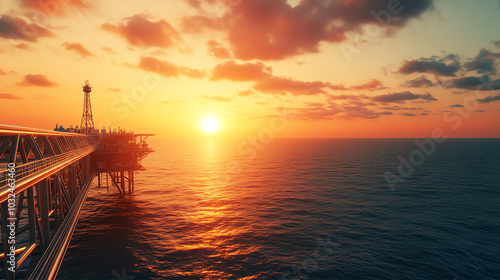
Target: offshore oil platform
point(44, 180)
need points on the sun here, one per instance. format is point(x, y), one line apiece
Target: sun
point(210, 124)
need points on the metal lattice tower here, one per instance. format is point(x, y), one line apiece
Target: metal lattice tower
point(87, 119)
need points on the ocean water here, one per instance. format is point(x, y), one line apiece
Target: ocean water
point(297, 209)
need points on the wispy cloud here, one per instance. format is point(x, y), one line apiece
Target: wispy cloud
point(78, 48)
point(37, 80)
point(9, 96)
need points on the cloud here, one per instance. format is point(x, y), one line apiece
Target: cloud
point(108, 50)
point(357, 109)
point(246, 92)
point(421, 82)
point(114, 89)
point(37, 80)
point(240, 72)
point(456, 106)
point(282, 85)
point(484, 62)
point(479, 111)
point(167, 68)
point(424, 114)
point(78, 48)
point(405, 114)
point(371, 85)
point(2, 72)
point(22, 46)
point(316, 112)
point(274, 30)
point(139, 31)
point(489, 99)
point(401, 97)
point(9, 96)
point(58, 8)
point(330, 110)
point(217, 98)
point(216, 50)
point(266, 82)
point(397, 108)
point(347, 97)
point(447, 66)
point(19, 29)
point(197, 24)
point(496, 43)
point(474, 83)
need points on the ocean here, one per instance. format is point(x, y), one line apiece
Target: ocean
point(297, 209)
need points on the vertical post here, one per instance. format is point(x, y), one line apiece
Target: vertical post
point(123, 181)
point(43, 206)
point(133, 181)
point(129, 182)
point(32, 215)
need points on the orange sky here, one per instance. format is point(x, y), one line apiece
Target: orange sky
point(325, 68)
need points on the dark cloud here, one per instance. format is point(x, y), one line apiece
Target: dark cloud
point(474, 83)
point(274, 30)
point(456, 106)
point(371, 85)
point(496, 43)
point(19, 29)
point(356, 109)
point(424, 114)
point(405, 114)
point(37, 80)
point(397, 108)
point(215, 49)
point(9, 96)
point(78, 48)
point(489, 99)
point(139, 31)
point(347, 97)
point(483, 63)
point(401, 97)
point(317, 112)
point(421, 82)
point(479, 111)
point(167, 68)
point(447, 66)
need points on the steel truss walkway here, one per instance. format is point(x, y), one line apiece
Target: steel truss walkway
point(42, 191)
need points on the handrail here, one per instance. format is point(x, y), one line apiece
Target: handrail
point(29, 168)
point(11, 130)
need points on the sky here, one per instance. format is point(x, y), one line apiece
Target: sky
point(267, 68)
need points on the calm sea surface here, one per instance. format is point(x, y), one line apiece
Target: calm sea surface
point(299, 209)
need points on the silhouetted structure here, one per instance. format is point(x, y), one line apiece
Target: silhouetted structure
point(87, 120)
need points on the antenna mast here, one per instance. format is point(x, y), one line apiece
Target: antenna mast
point(87, 119)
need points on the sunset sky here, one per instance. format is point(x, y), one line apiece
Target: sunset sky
point(313, 68)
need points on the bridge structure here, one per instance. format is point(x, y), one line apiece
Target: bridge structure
point(44, 181)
